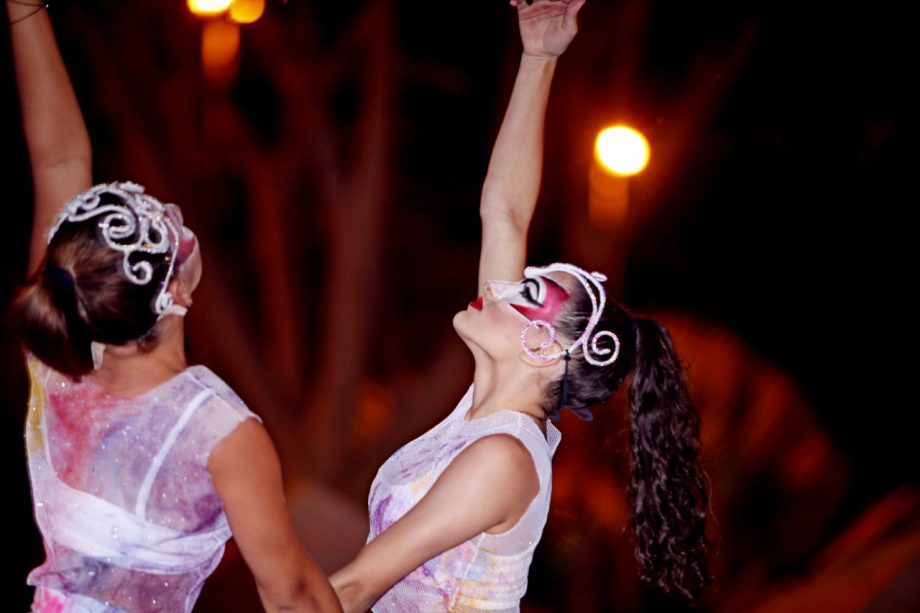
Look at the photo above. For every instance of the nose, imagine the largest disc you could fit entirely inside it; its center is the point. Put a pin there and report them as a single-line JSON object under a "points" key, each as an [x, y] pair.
{"points": [[494, 291], [489, 291]]}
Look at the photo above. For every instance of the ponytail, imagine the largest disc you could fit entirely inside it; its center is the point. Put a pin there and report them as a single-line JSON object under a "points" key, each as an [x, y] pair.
{"points": [[46, 317], [668, 492], [80, 294]]}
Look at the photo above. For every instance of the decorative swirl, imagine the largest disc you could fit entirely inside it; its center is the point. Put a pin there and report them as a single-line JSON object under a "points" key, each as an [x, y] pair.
{"points": [[535, 353], [138, 224], [591, 281], [599, 351]]}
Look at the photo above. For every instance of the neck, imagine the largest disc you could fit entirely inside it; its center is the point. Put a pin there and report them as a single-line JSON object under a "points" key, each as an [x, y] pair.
{"points": [[128, 371], [506, 386]]}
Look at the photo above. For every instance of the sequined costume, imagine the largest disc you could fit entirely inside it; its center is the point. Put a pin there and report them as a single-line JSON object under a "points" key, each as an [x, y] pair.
{"points": [[488, 572], [123, 497]]}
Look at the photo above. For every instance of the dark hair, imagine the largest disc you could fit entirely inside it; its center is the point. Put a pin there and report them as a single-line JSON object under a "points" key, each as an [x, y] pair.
{"points": [[668, 493], [81, 294]]}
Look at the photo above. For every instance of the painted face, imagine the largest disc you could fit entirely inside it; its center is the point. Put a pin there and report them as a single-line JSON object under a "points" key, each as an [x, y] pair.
{"points": [[187, 239], [537, 298]]}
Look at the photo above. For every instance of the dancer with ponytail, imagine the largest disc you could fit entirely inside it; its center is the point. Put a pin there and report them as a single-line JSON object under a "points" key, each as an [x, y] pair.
{"points": [[456, 514], [141, 466]]}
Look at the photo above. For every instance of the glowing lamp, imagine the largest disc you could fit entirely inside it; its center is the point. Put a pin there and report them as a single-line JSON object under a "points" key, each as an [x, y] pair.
{"points": [[220, 45], [246, 11], [621, 151], [206, 8]]}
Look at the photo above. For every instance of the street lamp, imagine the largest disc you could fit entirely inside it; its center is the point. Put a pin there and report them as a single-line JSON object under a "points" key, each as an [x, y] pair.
{"points": [[620, 152], [220, 33]]}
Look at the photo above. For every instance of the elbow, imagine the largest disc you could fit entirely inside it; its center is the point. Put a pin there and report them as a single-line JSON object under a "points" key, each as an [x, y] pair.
{"points": [[505, 214], [56, 163]]}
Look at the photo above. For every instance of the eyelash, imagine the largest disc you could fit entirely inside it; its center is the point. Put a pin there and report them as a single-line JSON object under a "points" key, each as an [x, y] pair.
{"points": [[526, 292]]}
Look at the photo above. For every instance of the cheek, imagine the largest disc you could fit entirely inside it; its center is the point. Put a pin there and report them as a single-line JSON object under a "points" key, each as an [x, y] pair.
{"points": [[190, 270], [188, 244]]}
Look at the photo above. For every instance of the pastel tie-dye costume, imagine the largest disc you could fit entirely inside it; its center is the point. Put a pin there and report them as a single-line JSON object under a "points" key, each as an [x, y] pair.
{"points": [[123, 497], [488, 572]]}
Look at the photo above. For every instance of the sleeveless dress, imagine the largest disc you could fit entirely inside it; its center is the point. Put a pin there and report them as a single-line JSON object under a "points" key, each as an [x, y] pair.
{"points": [[122, 494], [489, 571]]}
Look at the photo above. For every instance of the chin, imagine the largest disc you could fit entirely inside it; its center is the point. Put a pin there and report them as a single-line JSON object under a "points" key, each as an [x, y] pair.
{"points": [[460, 323]]}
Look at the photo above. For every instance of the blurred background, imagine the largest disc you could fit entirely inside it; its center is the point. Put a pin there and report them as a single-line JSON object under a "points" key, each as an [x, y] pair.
{"points": [[329, 156]]}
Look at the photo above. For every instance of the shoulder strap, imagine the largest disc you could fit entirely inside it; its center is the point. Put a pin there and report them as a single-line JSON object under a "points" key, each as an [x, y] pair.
{"points": [[140, 507]]}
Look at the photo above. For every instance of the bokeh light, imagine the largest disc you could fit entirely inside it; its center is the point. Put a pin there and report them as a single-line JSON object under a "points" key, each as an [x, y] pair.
{"points": [[220, 44], [622, 150], [246, 11], [208, 7]]}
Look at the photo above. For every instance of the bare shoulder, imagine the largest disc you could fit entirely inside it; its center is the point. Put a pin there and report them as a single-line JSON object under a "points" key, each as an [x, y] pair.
{"points": [[249, 444], [500, 456]]}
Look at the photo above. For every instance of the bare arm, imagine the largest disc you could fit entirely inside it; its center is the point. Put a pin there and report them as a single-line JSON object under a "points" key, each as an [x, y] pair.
{"points": [[59, 146], [510, 190], [247, 474], [486, 488]]}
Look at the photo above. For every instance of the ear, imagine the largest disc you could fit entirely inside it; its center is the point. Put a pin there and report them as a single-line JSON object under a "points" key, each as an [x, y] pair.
{"points": [[553, 349], [180, 292], [540, 338]]}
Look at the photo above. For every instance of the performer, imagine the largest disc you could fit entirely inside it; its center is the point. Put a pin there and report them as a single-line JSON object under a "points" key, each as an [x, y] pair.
{"points": [[455, 515], [141, 466]]}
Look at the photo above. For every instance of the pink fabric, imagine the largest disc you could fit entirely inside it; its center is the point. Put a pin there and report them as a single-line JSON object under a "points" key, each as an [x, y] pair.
{"points": [[488, 572], [122, 493]]}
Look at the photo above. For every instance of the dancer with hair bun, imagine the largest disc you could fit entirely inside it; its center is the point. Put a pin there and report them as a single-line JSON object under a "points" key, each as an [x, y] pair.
{"points": [[141, 466], [456, 514]]}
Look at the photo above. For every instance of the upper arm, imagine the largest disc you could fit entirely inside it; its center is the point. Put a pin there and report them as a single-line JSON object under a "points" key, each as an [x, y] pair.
{"points": [[488, 486], [246, 472]]}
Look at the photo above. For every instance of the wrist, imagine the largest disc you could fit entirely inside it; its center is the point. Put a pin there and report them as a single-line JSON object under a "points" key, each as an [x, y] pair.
{"points": [[538, 61], [539, 57], [20, 10]]}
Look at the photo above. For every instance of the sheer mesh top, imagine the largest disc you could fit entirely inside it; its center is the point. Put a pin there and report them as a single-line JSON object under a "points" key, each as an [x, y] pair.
{"points": [[123, 497], [488, 572]]}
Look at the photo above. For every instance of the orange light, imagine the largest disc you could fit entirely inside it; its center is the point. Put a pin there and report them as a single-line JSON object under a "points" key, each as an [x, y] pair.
{"points": [[206, 8], [246, 11], [220, 45], [622, 151], [608, 198]]}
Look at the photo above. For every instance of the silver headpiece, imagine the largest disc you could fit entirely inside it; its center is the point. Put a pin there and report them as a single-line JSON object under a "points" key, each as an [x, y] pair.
{"points": [[137, 224], [591, 281]]}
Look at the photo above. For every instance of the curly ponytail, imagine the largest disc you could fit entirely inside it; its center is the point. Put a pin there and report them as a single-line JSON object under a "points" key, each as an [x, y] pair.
{"points": [[668, 491]]}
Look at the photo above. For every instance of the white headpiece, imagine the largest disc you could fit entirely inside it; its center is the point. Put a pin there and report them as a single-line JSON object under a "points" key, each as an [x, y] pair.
{"points": [[138, 223], [589, 338]]}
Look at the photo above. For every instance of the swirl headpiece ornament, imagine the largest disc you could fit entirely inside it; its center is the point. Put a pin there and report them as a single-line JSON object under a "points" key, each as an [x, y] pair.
{"points": [[132, 222], [588, 341]]}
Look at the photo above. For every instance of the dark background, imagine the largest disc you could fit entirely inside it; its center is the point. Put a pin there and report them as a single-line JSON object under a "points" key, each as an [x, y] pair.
{"points": [[784, 216]]}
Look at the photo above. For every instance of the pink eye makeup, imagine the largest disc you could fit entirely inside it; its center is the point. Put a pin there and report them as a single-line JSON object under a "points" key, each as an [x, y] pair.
{"points": [[536, 298], [543, 299]]}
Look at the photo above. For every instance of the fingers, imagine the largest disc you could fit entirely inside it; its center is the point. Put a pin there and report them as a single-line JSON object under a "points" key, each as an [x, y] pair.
{"points": [[571, 14]]}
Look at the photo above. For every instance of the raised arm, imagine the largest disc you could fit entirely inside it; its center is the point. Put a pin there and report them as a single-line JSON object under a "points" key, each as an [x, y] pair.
{"points": [[247, 475], [486, 488], [59, 146], [510, 190]]}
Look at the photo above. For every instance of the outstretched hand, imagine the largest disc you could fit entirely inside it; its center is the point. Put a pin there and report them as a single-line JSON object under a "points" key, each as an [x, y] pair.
{"points": [[547, 26]]}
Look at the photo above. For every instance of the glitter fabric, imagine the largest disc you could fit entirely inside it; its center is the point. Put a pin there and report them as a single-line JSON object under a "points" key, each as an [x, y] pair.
{"points": [[488, 572], [123, 497]]}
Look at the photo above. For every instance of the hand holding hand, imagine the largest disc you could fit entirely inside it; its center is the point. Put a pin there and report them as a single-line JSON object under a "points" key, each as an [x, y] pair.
{"points": [[547, 26]]}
